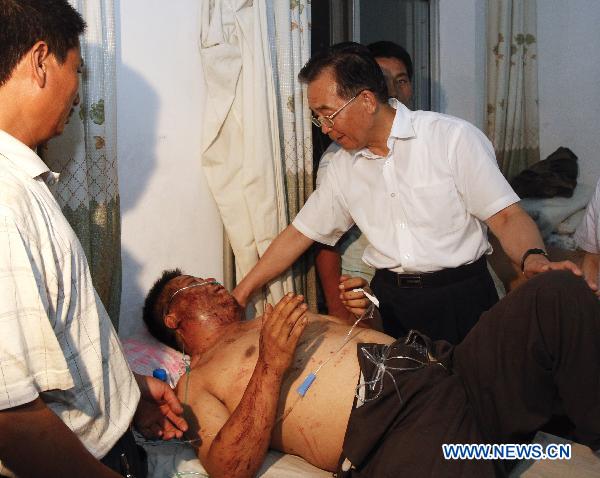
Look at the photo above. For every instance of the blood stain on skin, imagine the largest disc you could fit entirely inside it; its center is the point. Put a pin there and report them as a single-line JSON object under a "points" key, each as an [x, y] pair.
{"points": [[308, 443]]}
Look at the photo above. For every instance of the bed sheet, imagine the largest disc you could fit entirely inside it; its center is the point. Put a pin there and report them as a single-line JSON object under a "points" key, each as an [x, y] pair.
{"points": [[178, 460]]}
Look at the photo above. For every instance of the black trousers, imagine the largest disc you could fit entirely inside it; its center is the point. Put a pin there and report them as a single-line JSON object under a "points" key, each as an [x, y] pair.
{"points": [[534, 354], [444, 312]]}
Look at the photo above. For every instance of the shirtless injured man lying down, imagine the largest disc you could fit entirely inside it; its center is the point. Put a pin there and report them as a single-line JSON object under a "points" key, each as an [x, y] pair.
{"points": [[373, 406]]}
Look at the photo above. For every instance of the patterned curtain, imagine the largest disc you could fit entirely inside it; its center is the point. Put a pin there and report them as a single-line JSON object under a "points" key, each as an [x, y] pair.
{"points": [[241, 156], [85, 155], [289, 33], [512, 84]]}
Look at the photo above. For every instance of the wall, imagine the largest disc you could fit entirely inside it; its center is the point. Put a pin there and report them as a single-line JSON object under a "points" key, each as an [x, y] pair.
{"points": [[169, 218], [569, 81], [462, 26]]}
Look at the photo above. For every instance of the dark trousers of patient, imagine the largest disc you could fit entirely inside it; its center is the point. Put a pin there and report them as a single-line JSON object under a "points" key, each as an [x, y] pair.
{"points": [[534, 354]]}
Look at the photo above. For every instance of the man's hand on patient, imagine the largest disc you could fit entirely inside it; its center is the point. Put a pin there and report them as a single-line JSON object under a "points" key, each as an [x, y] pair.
{"points": [[282, 327], [159, 413], [355, 302], [538, 263]]}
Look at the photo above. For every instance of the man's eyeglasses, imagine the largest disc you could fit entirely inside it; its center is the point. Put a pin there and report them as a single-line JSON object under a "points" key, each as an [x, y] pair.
{"points": [[327, 121], [181, 289]]}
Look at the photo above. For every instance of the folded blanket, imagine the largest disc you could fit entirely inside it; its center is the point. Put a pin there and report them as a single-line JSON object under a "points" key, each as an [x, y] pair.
{"points": [[549, 213]]}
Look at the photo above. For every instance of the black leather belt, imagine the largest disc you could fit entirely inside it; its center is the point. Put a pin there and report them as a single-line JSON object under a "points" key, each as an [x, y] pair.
{"points": [[433, 279]]}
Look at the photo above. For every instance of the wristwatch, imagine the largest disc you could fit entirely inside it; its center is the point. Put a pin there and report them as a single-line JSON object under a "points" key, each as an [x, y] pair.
{"points": [[529, 252]]}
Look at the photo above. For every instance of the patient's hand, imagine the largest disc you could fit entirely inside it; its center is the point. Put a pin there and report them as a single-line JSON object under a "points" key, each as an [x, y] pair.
{"points": [[159, 413], [355, 302], [281, 330]]}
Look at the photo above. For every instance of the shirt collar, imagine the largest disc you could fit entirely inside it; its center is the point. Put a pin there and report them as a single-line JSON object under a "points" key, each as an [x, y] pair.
{"points": [[402, 128], [24, 158]]}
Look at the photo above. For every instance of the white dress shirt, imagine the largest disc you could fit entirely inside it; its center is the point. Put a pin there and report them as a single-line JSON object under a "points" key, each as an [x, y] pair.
{"points": [[57, 340], [422, 206], [587, 235]]}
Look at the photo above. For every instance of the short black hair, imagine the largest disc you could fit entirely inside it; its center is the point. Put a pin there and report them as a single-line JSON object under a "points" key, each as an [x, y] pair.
{"points": [[152, 317], [25, 22], [354, 69], [389, 49]]}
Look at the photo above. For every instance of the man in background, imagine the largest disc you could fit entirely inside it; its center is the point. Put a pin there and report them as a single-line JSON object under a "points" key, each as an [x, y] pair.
{"points": [[67, 395], [345, 258]]}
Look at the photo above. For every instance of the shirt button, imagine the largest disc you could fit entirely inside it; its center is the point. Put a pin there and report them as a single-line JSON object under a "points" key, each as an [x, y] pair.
{"points": [[393, 195], [403, 225], [407, 256]]}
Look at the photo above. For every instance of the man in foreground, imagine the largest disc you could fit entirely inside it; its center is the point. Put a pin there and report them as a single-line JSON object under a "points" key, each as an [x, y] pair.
{"points": [[67, 395], [529, 356]]}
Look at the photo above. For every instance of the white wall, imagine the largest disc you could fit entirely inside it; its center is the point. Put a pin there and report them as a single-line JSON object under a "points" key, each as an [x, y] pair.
{"points": [[462, 26], [169, 218], [569, 81]]}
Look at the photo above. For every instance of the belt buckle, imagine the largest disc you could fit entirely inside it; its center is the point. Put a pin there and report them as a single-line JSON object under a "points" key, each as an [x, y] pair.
{"points": [[410, 280]]}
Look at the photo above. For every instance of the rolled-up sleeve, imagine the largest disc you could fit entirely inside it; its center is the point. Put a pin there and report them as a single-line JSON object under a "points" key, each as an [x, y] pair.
{"points": [[485, 191], [325, 217]]}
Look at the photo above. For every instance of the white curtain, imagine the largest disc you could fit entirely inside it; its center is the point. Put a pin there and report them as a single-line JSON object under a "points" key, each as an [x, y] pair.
{"points": [[289, 32], [241, 151], [85, 155], [512, 84]]}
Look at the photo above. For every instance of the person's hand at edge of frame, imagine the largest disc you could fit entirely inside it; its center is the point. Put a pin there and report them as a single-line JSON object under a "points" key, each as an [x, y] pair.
{"points": [[159, 412]]}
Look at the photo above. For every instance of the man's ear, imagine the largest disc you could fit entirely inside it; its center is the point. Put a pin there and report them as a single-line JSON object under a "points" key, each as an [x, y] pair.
{"points": [[39, 57], [369, 100], [171, 321]]}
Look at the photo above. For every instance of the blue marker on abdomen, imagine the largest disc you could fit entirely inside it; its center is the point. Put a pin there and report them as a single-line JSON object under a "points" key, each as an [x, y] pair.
{"points": [[304, 386]]}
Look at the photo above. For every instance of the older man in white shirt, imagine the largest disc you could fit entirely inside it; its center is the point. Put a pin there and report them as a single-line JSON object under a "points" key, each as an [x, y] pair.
{"points": [[423, 187]]}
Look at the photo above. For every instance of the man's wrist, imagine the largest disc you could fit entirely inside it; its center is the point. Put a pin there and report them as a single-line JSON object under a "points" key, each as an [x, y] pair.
{"points": [[530, 252]]}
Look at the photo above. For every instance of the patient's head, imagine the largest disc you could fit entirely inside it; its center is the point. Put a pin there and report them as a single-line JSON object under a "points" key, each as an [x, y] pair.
{"points": [[179, 306]]}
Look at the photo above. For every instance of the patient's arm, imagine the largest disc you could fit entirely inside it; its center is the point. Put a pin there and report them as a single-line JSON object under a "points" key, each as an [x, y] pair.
{"points": [[234, 445]]}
